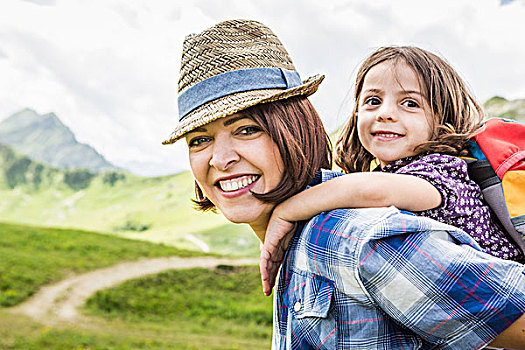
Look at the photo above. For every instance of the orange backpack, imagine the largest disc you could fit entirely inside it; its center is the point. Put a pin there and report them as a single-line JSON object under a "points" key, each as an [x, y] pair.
{"points": [[498, 168]]}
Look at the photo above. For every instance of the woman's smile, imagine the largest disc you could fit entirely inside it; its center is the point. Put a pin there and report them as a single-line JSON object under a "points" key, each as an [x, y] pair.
{"points": [[237, 185]]}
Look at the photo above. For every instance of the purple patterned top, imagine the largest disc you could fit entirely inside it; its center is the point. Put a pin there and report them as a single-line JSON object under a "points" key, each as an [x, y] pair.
{"points": [[461, 204]]}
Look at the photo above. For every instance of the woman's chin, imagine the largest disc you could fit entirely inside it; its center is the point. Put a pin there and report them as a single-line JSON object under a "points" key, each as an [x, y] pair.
{"points": [[241, 218], [236, 220], [253, 215]]}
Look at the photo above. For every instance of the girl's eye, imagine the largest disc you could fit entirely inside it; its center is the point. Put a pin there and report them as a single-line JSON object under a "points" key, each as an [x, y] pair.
{"points": [[373, 101], [249, 130], [410, 104], [198, 141]]}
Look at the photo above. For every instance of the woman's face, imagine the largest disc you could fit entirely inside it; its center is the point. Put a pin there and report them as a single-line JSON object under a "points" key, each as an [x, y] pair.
{"points": [[230, 158]]}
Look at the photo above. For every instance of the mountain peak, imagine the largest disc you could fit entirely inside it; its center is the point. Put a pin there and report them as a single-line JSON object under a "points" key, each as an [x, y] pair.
{"points": [[27, 117], [45, 138]]}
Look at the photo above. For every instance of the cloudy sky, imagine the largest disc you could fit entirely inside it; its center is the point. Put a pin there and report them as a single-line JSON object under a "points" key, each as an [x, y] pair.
{"points": [[109, 68]]}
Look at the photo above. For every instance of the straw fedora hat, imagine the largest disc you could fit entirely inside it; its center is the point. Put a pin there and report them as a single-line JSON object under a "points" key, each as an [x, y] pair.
{"points": [[229, 67]]}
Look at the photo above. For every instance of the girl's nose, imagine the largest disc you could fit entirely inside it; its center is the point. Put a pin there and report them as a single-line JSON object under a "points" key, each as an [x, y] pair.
{"points": [[224, 154], [385, 117], [386, 113]]}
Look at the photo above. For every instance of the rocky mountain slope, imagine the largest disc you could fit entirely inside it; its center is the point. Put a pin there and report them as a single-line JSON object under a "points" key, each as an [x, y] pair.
{"points": [[46, 139]]}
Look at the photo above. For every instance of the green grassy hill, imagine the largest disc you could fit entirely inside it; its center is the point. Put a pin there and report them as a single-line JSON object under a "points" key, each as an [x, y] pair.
{"points": [[501, 107], [222, 303], [155, 209], [213, 309], [33, 256]]}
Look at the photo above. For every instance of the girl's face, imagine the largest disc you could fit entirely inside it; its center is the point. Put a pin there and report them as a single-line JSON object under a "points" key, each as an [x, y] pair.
{"points": [[393, 114], [230, 158]]}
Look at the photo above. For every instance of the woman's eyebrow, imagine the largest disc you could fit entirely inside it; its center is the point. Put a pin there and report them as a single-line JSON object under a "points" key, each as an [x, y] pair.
{"points": [[200, 129], [235, 119]]}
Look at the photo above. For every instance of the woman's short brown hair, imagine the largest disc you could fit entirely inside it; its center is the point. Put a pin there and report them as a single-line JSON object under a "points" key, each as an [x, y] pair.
{"points": [[455, 112], [294, 125]]}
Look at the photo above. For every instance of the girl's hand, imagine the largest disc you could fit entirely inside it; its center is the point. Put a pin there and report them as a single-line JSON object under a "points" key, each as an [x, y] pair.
{"points": [[278, 235]]}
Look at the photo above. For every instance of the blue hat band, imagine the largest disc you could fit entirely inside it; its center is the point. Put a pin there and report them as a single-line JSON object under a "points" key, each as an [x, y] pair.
{"points": [[235, 81]]}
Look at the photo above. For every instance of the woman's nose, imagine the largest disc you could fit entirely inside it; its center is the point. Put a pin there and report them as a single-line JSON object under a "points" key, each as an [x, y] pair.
{"points": [[224, 155]]}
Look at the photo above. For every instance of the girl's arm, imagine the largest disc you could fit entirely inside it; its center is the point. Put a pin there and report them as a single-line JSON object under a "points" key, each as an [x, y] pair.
{"points": [[356, 190], [361, 190]]}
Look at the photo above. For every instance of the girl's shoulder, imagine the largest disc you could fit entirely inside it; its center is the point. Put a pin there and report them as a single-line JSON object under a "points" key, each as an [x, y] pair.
{"points": [[443, 162], [440, 158], [434, 166], [448, 169], [427, 161]]}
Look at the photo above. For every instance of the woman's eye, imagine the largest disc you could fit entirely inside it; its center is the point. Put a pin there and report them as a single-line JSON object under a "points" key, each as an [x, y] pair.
{"points": [[249, 130], [198, 141], [373, 101], [410, 104]]}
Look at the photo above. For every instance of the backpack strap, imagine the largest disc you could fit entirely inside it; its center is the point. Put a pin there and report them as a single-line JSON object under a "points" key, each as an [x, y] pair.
{"points": [[483, 174]]}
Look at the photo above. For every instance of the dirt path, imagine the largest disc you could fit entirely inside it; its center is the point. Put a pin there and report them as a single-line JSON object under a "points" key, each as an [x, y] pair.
{"points": [[58, 303]]}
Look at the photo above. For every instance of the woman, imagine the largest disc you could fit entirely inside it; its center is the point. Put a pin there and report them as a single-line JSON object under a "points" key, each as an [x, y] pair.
{"points": [[351, 279]]}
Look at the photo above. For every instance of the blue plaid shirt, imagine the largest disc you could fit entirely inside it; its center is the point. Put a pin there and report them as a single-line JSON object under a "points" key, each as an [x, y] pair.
{"points": [[383, 279]]}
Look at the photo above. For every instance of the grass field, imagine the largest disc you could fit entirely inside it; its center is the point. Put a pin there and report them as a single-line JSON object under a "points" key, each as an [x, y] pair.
{"points": [[34, 256], [215, 309], [21, 333], [202, 297], [153, 209], [223, 303]]}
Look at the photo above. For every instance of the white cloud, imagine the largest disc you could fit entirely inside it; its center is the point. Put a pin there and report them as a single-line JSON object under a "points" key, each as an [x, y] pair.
{"points": [[109, 68], [43, 2]]}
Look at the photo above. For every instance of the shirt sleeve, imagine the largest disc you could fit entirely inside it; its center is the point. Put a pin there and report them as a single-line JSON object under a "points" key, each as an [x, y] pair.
{"points": [[450, 294], [448, 175]]}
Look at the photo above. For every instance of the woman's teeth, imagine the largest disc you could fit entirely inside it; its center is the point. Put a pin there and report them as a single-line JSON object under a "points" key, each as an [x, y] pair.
{"points": [[237, 184]]}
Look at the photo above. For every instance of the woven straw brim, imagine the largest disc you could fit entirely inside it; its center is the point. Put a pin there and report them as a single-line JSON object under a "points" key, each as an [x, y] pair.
{"points": [[234, 103]]}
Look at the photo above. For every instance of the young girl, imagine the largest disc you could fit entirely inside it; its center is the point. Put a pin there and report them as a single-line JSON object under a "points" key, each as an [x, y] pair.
{"points": [[412, 115]]}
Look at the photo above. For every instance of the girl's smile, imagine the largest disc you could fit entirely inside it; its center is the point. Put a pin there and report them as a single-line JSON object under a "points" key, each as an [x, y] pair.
{"points": [[386, 135], [392, 112]]}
